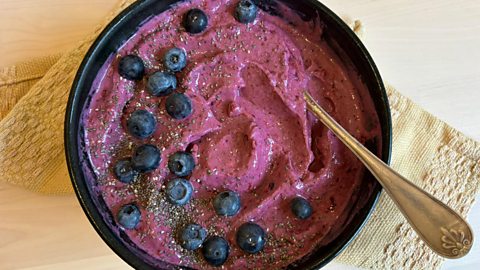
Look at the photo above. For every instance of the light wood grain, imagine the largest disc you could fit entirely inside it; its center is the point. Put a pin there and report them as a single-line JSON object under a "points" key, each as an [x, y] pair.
{"points": [[30, 28], [430, 50]]}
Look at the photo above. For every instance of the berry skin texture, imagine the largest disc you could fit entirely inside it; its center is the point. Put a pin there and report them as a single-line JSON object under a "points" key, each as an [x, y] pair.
{"points": [[251, 238], [161, 84], [246, 11], [178, 106], [179, 191], [129, 216], [195, 21], [124, 171], [181, 164], [175, 60], [131, 67], [215, 250], [146, 158], [301, 208], [227, 203], [192, 236], [141, 124]]}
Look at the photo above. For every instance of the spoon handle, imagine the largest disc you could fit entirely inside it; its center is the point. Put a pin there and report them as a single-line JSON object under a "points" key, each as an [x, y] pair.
{"points": [[440, 227]]}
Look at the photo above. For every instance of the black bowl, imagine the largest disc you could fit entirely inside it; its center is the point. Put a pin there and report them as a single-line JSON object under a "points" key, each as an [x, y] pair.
{"points": [[337, 34]]}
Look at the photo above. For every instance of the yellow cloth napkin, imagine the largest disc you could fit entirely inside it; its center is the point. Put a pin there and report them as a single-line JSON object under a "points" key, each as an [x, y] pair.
{"points": [[33, 96]]}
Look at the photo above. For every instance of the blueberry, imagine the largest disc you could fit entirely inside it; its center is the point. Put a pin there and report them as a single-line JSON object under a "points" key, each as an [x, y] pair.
{"points": [[129, 216], [146, 158], [301, 208], [181, 163], [131, 67], [215, 250], [124, 171], [227, 203], [246, 11], [175, 59], [141, 124], [161, 84], [195, 21], [251, 238], [178, 106], [179, 191], [192, 236]]}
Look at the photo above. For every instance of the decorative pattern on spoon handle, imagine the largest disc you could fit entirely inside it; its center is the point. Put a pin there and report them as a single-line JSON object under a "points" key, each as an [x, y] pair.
{"points": [[455, 241]]}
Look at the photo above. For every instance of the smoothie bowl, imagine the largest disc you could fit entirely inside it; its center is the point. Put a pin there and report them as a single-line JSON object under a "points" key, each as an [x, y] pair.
{"points": [[189, 144]]}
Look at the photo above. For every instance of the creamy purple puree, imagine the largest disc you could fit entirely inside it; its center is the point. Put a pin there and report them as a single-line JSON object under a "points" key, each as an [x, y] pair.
{"points": [[249, 132]]}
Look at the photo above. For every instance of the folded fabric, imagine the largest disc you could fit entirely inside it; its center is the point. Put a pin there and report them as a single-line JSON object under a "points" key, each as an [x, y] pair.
{"points": [[33, 97]]}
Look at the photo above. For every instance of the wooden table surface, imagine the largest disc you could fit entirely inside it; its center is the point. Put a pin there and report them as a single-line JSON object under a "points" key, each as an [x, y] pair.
{"points": [[429, 49]]}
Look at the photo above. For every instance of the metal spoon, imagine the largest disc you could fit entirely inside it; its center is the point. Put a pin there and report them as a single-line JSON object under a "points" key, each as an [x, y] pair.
{"points": [[440, 227]]}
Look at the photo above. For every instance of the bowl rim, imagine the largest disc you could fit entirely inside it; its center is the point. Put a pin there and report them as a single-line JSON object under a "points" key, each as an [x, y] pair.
{"points": [[72, 141]]}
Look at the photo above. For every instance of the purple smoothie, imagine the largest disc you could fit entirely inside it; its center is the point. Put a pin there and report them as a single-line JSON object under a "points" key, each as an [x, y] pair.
{"points": [[249, 132]]}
